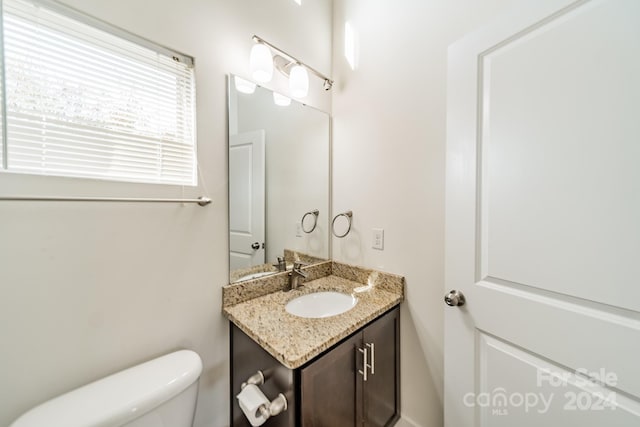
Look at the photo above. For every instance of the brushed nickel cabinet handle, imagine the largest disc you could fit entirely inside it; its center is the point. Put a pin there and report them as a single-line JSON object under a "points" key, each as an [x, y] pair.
{"points": [[373, 357], [363, 372]]}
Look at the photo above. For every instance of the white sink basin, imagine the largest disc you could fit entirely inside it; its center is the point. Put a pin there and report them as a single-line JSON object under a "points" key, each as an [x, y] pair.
{"points": [[321, 304]]}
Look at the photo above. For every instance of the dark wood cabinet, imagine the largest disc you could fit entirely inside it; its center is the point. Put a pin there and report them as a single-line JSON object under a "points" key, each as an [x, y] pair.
{"points": [[329, 391], [335, 390], [247, 357], [328, 387], [381, 391]]}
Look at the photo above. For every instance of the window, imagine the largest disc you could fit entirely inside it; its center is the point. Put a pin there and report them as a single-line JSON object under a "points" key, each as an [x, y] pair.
{"points": [[83, 99]]}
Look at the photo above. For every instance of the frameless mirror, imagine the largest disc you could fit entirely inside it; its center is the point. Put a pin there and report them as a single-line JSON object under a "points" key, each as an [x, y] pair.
{"points": [[279, 154]]}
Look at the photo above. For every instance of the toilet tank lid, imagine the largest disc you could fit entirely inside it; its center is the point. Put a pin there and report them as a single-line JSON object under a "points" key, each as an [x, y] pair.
{"points": [[118, 398]]}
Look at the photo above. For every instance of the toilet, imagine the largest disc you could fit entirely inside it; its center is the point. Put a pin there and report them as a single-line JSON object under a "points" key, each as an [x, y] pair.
{"points": [[159, 393]]}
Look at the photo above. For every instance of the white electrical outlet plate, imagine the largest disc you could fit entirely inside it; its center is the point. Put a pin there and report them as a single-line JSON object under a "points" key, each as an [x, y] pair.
{"points": [[298, 229], [378, 238]]}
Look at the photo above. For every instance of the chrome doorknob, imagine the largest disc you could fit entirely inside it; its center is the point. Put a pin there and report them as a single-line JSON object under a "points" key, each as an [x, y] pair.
{"points": [[454, 298], [255, 245]]}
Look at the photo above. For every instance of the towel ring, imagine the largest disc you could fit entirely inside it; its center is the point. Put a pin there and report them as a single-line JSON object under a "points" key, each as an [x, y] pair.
{"points": [[349, 216], [315, 214]]}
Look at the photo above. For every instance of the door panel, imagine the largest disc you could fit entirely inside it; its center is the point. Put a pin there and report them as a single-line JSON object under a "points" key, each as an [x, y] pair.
{"points": [[543, 196], [524, 391], [246, 199], [560, 153]]}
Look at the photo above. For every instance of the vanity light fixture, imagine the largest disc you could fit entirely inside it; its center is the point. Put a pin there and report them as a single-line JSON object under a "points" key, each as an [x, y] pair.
{"points": [[265, 56], [244, 86], [298, 81], [281, 100], [261, 63]]}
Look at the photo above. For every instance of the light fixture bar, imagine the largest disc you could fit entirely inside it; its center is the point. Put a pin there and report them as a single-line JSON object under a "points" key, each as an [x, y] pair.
{"points": [[327, 81]]}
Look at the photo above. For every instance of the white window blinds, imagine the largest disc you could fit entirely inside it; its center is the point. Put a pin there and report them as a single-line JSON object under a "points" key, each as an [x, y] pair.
{"points": [[80, 100]]}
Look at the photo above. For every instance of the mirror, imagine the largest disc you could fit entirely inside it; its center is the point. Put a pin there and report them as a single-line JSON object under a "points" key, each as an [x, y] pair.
{"points": [[279, 160]]}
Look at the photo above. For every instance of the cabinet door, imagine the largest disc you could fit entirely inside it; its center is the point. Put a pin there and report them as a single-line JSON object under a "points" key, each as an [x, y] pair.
{"points": [[328, 388], [381, 391]]}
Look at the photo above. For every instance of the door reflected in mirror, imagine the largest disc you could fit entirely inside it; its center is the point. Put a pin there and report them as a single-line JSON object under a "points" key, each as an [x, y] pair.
{"points": [[279, 158]]}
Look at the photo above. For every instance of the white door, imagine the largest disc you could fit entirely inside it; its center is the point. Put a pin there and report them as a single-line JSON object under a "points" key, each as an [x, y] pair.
{"points": [[246, 199], [543, 218]]}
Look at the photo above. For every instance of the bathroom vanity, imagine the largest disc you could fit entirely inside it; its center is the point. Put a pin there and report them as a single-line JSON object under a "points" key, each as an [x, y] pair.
{"points": [[337, 371]]}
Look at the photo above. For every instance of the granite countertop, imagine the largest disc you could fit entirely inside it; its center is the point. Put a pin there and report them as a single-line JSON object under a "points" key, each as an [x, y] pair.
{"points": [[257, 307]]}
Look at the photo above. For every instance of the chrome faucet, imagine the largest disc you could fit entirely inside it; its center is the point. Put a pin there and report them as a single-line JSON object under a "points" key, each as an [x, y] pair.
{"points": [[281, 265], [296, 274]]}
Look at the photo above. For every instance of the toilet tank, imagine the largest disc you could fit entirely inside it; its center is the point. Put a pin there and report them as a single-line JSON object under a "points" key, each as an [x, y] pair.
{"points": [[159, 393]]}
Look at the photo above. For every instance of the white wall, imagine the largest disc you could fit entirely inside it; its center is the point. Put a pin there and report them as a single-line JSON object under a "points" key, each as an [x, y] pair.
{"points": [[89, 289], [389, 148]]}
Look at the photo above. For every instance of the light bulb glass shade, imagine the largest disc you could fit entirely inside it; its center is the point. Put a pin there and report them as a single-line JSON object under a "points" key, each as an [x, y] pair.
{"points": [[261, 63], [244, 86], [281, 100], [299, 81]]}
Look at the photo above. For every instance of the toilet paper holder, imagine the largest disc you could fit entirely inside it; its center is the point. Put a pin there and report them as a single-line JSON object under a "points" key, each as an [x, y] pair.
{"points": [[276, 406]]}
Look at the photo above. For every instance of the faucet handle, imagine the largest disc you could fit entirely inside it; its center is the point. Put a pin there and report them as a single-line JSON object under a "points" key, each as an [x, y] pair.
{"points": [[296, 268], [281, 265], [295, 274]]}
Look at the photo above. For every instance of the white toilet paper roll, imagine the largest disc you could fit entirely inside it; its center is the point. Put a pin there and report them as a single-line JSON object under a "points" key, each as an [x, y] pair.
{"points": [[250, 399]]}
